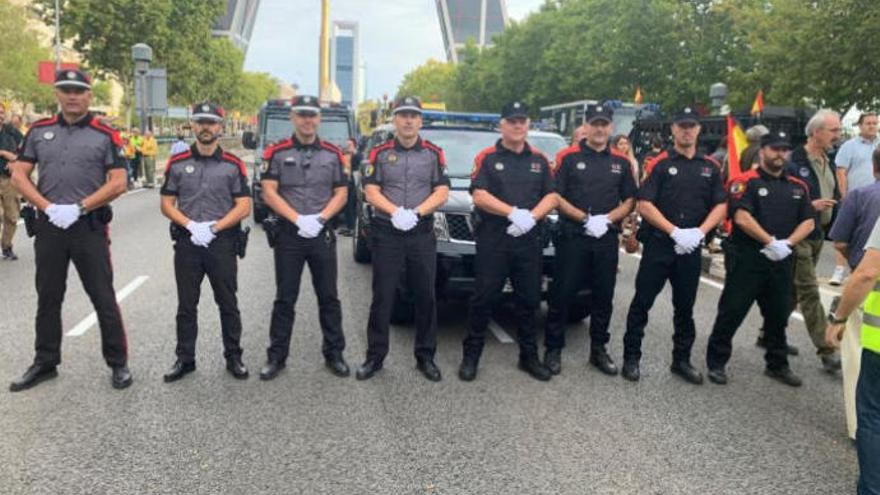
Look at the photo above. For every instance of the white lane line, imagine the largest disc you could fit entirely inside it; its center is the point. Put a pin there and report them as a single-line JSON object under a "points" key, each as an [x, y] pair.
{"points": [[90, 320], [499, 332], [711, 283]]}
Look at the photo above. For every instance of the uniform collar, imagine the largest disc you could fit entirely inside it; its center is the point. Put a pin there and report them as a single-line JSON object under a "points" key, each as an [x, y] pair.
{"points": [[586, 149], [674, 154], [766, 176], [83, 122], [298, 145], [527, 149], [218, 153], [416, 147]]}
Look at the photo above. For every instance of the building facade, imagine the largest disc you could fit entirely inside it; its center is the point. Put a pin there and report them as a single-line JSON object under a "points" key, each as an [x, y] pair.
{"points": [[463, 20]]}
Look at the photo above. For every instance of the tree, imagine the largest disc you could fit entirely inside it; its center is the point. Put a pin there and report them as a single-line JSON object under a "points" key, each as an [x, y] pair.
{"points": [[253, 89], [20, 52], [433, 81]]}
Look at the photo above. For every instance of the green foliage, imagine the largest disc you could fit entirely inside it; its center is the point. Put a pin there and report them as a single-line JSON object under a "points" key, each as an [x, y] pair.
{"points": [[796, 51], [252, 90], [434, 81], [20, 53]]}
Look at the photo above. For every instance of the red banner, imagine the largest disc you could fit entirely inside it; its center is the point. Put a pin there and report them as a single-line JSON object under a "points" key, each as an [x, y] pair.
{"points": [[46, 71]]}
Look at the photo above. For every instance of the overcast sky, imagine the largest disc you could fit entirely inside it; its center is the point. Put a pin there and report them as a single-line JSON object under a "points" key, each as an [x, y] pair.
{"points": [[396, 36]]}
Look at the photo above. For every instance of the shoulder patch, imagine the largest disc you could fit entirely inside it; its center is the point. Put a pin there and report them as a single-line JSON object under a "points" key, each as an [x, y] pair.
{"points": [[230, 158], [106, 129], [177, 158], [378, 149], [333, 148], [45, 122], [479, 159], [564, 152], [651, 163], [441, 156], [276, 147]]}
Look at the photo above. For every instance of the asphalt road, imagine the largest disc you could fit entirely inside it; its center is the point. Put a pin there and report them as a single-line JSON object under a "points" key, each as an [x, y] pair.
{"points": [[309, 432]]}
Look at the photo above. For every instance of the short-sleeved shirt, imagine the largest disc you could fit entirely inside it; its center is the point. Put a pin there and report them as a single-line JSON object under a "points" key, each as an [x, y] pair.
{"points": [[874, 239], [594, 182], [407, 176], [518, 179], [855, 156], [684, 189], [74, 158], [205, 186], [855, 219], [778, 204], [10, 140], [306, 173]]}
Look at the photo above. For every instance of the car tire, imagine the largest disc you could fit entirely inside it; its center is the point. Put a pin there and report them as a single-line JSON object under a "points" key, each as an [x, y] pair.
{"points": [[360, 247]]}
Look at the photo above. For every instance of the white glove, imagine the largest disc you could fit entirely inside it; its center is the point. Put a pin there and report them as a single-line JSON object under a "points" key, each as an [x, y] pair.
{"points": [[596, 225], [200, 233], [776, 250], [523, 220], [514, 231], [404, 219], [309, 226], [687, 240], [62, 216]]}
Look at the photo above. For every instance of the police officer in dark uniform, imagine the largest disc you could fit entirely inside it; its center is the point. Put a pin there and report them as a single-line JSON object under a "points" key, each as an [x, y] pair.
{"points": [[771, 213], [405, 182], [305, 185], [513, 189], [206, 196], [681, 201], [596, 191], [80, 172]]}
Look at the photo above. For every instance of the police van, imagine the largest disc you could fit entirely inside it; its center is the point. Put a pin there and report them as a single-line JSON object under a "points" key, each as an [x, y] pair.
{"points": [[462, 136], [273, 124]]}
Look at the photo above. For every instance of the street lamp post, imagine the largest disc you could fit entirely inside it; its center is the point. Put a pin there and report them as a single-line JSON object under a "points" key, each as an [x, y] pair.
{"points": [[142, 55], [57, 35]]}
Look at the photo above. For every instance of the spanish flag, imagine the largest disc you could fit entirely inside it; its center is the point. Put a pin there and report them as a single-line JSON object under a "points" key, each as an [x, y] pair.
{"points": [[758, 105], [638, 97], [736, 143]]}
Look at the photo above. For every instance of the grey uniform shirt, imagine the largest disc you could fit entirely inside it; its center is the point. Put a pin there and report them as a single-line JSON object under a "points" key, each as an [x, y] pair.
{"points": [[205, 186], [306, 174], [407, 176], [74, 158]]}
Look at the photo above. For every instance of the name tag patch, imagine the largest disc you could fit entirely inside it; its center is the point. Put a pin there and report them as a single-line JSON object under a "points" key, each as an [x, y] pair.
{"points": [[536, 168]]}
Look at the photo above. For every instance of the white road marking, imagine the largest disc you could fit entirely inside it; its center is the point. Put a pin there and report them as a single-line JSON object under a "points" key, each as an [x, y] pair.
{"points": [[711, 283], [90, 320], [499, 333]]}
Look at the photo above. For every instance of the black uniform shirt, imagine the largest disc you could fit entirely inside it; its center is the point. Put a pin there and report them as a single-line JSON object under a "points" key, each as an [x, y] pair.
{"points": [[519, 179], [594, 182], [73, 158], [684, 189], [10, 140], [407, 176], [205, 186], [306, 173], [779, 204]]}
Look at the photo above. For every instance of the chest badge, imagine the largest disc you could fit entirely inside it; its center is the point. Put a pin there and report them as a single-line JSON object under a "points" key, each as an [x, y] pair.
{"points": [[616, 168], [581, 166], [48, 135], [189, 169], [536, 168], [499, 166], [706, 172], [737, 188], [370, 170], [804, 172], [392, 158], [673, 171], [763, 192], [264, 167]]}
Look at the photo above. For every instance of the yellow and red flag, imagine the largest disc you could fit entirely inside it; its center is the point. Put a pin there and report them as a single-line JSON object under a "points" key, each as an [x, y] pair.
{"points": [[736, 143], [758, 105]]}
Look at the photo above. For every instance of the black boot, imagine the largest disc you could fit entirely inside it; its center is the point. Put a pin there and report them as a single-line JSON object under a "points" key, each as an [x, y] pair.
{"points": [[34, 375], [631, 371], [121, 377], [236, 368], [429, 369], [784, 375], [553, 360], [368, 369], [270, 370], [602, 361], [179, 370], [337, 365], [533, 366], [468, 369], [686, 371]]}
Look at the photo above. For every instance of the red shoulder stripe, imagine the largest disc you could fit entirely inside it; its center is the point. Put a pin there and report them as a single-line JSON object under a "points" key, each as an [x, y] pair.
{"points": [[276, 147], [479, 159], [441, 156], [335, 149], [115, 138], [650, 164], [378, 149], [176, 158], [713, 161], [45, 122], [564, 152], [620, 155], [795, 180], [229, 157]]}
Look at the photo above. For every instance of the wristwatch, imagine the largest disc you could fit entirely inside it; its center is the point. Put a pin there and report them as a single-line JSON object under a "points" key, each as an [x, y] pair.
{"points": [[836, 321], [82, 208]]}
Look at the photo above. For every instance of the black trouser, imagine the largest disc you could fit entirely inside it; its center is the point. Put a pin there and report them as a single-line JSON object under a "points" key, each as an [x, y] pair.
{"points": [[659, 264], [416, 253], [495, 261], [292, 253], [218, 262], [583, 261], [752, 277], [87, 244]]}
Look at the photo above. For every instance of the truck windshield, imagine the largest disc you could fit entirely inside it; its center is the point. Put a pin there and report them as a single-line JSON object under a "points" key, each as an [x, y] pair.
{"points": [[279, 127]]}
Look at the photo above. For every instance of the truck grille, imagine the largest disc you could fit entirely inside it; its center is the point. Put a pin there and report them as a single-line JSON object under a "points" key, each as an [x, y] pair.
{"points": [[459, 227]]}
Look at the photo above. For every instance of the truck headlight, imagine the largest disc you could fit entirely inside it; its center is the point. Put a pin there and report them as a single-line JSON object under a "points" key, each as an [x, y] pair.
{"points": [[441, 229]]}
